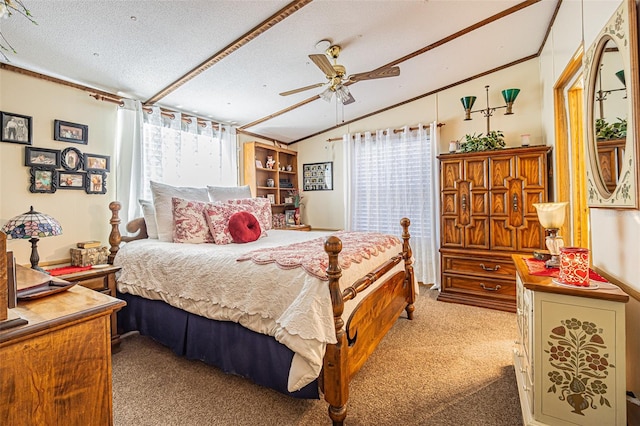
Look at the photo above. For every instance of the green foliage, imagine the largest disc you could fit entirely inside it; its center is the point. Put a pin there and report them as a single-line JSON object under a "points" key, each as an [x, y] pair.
{"points": [[493, 140], [607, 131]]}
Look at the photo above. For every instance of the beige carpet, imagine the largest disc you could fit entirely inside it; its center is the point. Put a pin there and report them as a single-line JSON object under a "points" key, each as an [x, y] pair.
{"points": [[451, 365]]}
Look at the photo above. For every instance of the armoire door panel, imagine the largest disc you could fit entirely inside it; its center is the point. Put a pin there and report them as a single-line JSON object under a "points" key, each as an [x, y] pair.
{"points": [[475, 172], [477, 233], [530, 235], [450, 173], [532, 196], [464, 191], [452, 233], [479, 205], [516, 202], [501, 168], [499, 203], [449, 203], [531, 169], [503, 236]]}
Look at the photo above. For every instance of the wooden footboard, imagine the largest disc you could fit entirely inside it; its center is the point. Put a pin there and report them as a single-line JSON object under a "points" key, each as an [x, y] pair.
{"points": [[370, 320]]}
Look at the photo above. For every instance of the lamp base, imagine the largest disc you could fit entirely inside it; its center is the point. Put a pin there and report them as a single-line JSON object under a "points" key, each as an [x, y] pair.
{"points": [[554, 262]]}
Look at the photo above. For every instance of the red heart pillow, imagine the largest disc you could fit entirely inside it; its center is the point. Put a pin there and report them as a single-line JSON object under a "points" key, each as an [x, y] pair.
{"points": [[244, 227]]}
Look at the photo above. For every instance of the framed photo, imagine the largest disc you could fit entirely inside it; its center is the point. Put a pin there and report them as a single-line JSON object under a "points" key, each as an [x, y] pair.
{"points": [[96, 162], [16, 128], [272, 198], [71, 180], [259, 164], [318, 176], [71, 159], [289, 217], [70, 132], [43, 180], [95, 182], [45, 158], [288, 200]]}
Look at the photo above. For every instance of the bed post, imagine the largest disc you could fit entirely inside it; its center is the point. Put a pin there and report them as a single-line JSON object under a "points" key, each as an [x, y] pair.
{"points": [[114, 237], [335, 372], [408, 267]]}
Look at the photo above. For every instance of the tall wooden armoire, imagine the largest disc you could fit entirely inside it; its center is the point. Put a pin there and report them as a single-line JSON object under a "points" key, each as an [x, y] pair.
{"points": [[487, 215]]}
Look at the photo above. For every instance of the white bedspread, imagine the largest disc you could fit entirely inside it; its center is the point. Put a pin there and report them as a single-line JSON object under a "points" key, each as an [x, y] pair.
{"points": [[207, 280]]}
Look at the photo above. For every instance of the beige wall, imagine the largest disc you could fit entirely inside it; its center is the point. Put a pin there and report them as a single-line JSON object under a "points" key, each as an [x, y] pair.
{"points": [[325, 209], [82, 216], [614, 233]]}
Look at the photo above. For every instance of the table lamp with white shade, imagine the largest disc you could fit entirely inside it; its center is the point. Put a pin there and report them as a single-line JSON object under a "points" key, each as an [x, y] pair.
{"points": [[551, 216]]}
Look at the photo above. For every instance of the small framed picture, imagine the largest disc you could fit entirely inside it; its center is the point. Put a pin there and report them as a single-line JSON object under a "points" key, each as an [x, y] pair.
{"points": [[272, 198], [16, 128], [95, 182], [41, 157], [259, 164], [71, 180], [70, 132], [289, 217], [71, 159], [318, 176], [288, 200], [43, 180], [96, 162]]}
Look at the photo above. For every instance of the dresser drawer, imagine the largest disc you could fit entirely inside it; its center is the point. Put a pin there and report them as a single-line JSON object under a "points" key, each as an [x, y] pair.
{"points": [[488, 287], [479, 266]]}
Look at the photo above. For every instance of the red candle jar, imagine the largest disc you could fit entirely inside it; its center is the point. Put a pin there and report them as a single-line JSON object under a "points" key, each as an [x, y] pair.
{"points": [[574, 266]]}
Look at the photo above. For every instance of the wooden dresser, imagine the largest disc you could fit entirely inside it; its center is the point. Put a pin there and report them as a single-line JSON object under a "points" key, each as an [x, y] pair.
{"points": [[487, 214], [56, 370], [569, 358]]}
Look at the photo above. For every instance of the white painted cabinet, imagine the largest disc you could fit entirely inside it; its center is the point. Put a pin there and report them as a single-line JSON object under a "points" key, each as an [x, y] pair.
{"points": [[569, 357]]}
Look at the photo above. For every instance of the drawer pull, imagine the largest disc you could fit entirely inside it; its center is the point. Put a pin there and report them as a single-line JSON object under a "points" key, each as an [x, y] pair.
{"points": [[464, 203], [496, 288], [515, 202], [495, 268]]}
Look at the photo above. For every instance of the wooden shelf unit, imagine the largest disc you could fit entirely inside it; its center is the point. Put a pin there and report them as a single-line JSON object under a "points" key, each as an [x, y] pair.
{"points": [[256, 177]]}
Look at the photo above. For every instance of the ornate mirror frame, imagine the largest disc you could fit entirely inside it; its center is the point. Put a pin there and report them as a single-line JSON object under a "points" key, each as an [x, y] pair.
{"points": [[622, 28]]}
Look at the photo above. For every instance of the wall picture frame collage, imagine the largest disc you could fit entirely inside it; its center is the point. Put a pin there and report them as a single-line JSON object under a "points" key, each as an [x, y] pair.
{"points": [[53, 169], [318, 176]]}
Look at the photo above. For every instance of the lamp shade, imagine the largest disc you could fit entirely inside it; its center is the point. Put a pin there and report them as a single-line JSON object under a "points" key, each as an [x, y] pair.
{"points": [[620, 75], [468, 101], [510, 95], [551, 215], [32, 224]]}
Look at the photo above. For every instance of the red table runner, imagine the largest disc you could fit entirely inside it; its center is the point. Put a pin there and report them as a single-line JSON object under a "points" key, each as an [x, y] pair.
{"points": [[537, 267], [67, 270]]}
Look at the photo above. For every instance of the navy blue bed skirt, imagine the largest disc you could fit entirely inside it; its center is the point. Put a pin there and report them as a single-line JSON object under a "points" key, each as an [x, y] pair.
{"points": [[224, 344]]}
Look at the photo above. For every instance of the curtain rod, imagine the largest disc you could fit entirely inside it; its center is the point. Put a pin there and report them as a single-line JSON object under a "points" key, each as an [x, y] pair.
{"points": [[385, 132], [185, 117]]}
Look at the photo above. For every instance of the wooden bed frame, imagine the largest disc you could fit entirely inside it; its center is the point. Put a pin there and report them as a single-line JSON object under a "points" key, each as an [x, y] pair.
{"points": [[372, 318]]}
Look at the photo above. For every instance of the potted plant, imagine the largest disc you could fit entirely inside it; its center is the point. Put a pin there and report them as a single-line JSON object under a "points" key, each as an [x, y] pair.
{"points": [[607, 131], [493, 140]]}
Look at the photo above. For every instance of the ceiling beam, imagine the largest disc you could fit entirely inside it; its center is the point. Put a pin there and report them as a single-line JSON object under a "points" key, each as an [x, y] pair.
{"points": [[259, 29], [425, 49]]}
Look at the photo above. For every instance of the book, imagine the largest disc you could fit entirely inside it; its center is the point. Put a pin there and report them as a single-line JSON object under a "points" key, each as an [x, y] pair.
{"points": [[88, 244]]}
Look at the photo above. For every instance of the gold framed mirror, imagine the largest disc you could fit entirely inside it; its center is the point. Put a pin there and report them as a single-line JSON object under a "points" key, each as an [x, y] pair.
{"points": [[611, 76]]}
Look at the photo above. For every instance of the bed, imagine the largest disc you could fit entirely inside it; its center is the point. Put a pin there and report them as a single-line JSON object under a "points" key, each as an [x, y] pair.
{"points": [[353, 297]]}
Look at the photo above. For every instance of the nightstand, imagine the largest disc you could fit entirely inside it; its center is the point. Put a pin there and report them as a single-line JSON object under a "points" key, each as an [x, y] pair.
{"points": [[102, 280], [298, 228]]}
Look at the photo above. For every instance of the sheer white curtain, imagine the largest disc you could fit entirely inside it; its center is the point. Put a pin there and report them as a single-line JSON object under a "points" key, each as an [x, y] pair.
{"points": [[389, 176], [186, 153]]}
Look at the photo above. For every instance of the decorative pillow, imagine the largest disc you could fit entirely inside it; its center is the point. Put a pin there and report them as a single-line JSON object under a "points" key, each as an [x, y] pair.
{"points": [[189, 224], [218, 215], [260, 207], [224, 193], [149, 214], [162, 195], [244, 227]]}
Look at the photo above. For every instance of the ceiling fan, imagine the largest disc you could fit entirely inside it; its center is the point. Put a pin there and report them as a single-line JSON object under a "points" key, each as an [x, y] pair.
{"points": [[337, 76]]}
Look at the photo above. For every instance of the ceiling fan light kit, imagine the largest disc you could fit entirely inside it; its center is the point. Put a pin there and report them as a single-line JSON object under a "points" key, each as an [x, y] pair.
{"points": [[336, 75]]}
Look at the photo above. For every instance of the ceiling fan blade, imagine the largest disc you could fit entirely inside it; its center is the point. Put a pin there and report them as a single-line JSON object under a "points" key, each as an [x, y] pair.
{"points": [[349, 100], [301, 89], [379, 73], [323, 63]]}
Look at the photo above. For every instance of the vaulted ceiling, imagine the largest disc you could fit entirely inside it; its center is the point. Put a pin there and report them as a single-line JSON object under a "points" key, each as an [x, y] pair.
{"points": [[230, 60]]}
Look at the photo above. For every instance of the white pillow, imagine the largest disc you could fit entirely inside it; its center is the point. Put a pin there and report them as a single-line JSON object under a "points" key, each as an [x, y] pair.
{"points": [[225, 193], [149, 214], [162, 195]]}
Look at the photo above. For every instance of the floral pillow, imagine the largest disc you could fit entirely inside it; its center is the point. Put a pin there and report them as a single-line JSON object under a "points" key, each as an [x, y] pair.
{"points": [[260, 207], [189, 222], [218, 215]]}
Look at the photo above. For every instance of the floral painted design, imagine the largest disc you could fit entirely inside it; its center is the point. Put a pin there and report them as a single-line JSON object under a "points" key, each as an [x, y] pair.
{"points": [[189, 223], [310, 255], [576, 352], [260, 207], [218, 215]]}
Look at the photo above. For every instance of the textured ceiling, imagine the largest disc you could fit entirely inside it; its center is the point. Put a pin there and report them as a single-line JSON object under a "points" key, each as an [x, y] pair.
{"points": [[136, 49]]}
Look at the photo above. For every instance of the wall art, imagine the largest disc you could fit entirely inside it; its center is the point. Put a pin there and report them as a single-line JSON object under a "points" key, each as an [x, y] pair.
{"points": [[318, 176], [46, 158], [70, 132], [16, 128]]}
